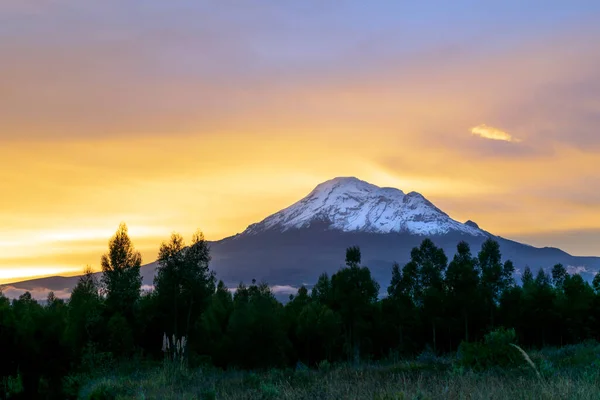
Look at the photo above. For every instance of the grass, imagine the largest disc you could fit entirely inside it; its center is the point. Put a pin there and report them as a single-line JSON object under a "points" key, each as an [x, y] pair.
{"points": [[572, 372]]}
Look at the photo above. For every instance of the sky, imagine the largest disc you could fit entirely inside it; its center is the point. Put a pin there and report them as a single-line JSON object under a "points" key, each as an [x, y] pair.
{"points": [[183, 115]]}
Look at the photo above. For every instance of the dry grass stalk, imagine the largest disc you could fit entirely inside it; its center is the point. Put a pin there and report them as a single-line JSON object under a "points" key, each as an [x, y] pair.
{"points": [[527, 359]]}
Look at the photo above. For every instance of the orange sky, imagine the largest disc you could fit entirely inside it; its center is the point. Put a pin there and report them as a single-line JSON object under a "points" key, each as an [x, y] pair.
{"points": [[171, 125]]}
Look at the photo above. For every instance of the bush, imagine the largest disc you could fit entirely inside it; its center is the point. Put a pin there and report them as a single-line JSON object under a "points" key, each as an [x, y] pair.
{"points": [[208, 394], [269, 391], [324, 366], [103, 391], [495, 351]]}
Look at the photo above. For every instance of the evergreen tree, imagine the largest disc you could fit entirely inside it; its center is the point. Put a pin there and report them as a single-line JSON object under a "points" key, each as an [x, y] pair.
{"points": [[424, 280], [321, 292], [317, 329], [353, 294], [495, 277], [399, 308], [121, 279], [559, 276], [84, 313], [213, 324], [255, 334], [462, 281], [579, 300], [183, 282]]}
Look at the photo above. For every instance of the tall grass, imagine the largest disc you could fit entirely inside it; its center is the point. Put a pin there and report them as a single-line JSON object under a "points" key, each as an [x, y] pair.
{"points": [[425, 378]]}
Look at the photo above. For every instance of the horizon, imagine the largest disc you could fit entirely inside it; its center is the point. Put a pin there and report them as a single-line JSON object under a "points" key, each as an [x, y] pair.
{"points": [[197, 115], [10, 281]]}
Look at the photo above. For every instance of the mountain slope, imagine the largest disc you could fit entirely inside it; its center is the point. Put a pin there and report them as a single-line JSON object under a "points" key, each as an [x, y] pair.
{"points": [[352, 205]]}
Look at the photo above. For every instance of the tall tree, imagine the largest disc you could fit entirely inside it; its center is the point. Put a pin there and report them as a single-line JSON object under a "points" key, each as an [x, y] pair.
{"points": [[213, 324], [121, 279], [255, 335], [183, 282], [462, 282], [539, 299], [84, 320], [321, 292], [399, 306], [495, 277], [354, 292], [424, 276], [559, 276], [579, 300]]}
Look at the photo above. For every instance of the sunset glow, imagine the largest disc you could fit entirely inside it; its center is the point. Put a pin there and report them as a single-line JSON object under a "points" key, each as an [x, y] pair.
{"points": [[173, 118]]}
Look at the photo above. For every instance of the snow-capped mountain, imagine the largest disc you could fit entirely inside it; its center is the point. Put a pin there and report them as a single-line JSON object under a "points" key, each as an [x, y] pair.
{"points": [[352, 205], [295, 245]]}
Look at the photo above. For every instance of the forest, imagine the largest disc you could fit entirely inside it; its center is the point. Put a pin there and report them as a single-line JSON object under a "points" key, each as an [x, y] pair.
{"points": [[433, 306]]}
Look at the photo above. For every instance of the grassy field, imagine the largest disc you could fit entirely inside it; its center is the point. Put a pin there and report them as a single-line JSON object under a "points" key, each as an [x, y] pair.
{"points": [[571, 372]]}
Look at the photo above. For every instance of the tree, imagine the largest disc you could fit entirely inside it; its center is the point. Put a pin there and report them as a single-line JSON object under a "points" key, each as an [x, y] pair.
{"points": [[84, 319], [121, 279], [539, 307], [317, 329], [183, 282], [8, 338], [255, 334], [424, 280], [559, 275], [213, 324], [495, 277], [29, 331], [321, 292], [462, 281], [353, 256], [399, 306], [527, 278], [353, 294], [579, 300]]}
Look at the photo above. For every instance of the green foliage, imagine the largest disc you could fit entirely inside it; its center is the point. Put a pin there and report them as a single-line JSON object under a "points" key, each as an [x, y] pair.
{"points": [[255, 334], [495, 351], [121, 278], [11, 386], [269, 391], [354, 293], [462, 283], [80, 347], [84, 313], [208, 394], [183, 283]]}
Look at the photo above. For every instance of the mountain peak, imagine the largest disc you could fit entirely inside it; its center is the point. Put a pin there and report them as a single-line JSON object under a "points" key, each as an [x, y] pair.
{"points": [[352, 205], [343, 184]]}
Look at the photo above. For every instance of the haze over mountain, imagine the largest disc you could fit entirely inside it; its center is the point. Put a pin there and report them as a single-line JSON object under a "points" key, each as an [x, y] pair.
{"points": [[295, 245]]}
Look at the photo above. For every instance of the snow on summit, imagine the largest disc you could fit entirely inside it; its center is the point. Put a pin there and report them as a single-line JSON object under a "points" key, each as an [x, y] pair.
{"points": [[352, 205]]}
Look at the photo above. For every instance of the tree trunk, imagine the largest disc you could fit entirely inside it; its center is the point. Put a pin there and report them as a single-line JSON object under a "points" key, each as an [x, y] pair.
{"points": [[434, 338], [466, 326], [356, 351], [189, 316], [175, 315], [401, 338]]}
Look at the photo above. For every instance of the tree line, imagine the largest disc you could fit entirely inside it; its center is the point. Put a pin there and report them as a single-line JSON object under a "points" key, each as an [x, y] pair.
{"points": [[432, 304]]}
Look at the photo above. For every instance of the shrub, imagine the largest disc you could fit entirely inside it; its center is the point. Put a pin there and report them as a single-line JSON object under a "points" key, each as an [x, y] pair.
{"points": [[324, 366], [269, 391], [103, 391], [208, 394], [495, 351]]}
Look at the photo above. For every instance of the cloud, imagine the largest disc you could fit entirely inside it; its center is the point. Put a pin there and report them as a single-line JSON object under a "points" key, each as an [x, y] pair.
{"points": [[276, 289], [284, 289], [38, 293], [147, 288], [489, 132]]}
